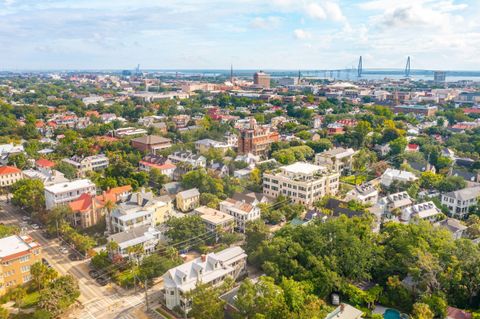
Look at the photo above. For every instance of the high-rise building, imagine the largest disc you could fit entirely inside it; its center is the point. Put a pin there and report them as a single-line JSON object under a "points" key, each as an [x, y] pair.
{"points": [[439, 76], [256, 139], [262, 79]]}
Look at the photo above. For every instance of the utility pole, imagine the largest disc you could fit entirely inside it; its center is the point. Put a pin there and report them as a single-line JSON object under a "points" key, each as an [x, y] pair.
{"points": [[146, 295]]}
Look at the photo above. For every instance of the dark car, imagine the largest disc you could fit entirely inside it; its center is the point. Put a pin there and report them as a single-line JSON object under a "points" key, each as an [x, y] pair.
{"points": [[45, 262], [93, 273], [102, 281], [75, 256]]}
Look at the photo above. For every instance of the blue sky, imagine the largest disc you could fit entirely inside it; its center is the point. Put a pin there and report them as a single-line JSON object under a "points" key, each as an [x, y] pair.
{"points": [[251, 34]]}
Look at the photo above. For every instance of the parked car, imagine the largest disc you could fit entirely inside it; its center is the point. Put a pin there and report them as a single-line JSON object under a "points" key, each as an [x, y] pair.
{"points": [[25, 218], [64, 250], [46, 263], [93, 273], [102, 281], [35, 226]]}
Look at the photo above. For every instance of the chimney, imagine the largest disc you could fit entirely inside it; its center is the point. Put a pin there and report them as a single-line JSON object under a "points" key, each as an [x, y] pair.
{"points": [[204, 258]]}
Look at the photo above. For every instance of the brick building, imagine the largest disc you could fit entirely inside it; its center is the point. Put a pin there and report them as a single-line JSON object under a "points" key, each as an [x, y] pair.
{"points": [[256, 139]]}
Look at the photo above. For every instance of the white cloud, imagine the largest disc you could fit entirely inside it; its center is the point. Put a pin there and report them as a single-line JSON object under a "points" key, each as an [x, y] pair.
{"points": [[301, 34], [271, 22], [333, 11], [315, 11]]}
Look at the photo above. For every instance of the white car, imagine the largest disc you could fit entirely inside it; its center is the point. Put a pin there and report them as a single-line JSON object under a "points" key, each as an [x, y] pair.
{"points": [[35, 226], [64, 250], [25, 218]]}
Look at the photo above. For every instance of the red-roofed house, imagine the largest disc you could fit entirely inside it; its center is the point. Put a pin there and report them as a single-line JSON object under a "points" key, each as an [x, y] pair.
{"points": [[455, 313], [9, 175], [412, 148], [44, 163], [88, 209], [471, 111]]}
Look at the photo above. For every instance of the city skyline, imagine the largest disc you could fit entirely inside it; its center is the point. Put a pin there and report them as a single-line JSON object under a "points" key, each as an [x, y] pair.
{"points": [[251, 34]]}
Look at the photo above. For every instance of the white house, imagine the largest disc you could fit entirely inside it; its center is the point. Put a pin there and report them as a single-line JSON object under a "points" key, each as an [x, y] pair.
{"points": [[365, 193], [459, 202], [240, 210], [146, 236], [391, 175], [64, 193], [212, 268], [424, 211]]}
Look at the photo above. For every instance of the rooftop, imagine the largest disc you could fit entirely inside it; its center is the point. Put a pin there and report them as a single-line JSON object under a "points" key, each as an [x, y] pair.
{"points": [[302, 168], [4, 170], [69, 186], [16, 244]]}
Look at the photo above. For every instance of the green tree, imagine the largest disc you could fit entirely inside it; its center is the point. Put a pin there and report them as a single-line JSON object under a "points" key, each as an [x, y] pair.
{"points": [[437, 304], [59, 295], [17, 294], [421, 311], [206, 303], [18, 160], [42, 275], [68, 170], [29, 194], [398, 146], [8, 230], [182, 229]]}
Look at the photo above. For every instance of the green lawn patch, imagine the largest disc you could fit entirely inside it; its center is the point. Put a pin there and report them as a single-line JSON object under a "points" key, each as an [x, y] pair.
{"points": [[351, 179], [31, 300]]}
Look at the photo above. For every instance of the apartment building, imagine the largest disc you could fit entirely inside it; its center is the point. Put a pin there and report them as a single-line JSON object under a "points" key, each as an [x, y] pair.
{"points": [[256, 139], [64, 193], [261, 80], [303, 183], [459, 202], [151, 143], [212, 269], [17, 255], [215, 220], [87, 164], [241, 211], [426, 110], [338, 159], [9, 175]]}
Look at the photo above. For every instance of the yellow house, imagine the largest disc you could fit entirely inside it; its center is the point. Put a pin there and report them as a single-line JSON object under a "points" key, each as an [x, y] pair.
{"points": [[188, 200]]}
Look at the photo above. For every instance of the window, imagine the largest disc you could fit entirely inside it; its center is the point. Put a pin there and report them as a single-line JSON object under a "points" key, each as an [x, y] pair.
{"points": [[25, 268], [25, 258]]}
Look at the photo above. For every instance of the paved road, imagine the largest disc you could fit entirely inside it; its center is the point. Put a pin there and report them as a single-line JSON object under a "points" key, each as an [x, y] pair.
{"points": [[97, 302]]}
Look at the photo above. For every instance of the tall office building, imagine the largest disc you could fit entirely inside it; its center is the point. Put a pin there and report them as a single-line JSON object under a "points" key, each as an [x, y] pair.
{"points": [[439, 77], [262, 79]]}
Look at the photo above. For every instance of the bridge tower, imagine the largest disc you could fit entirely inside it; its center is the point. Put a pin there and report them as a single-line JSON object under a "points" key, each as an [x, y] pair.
{"points": [[407, 68], [360, 67]]}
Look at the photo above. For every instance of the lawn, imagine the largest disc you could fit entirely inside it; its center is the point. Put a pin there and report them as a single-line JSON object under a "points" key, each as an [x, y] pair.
{"points": [[351, 179], [30, 300]]}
